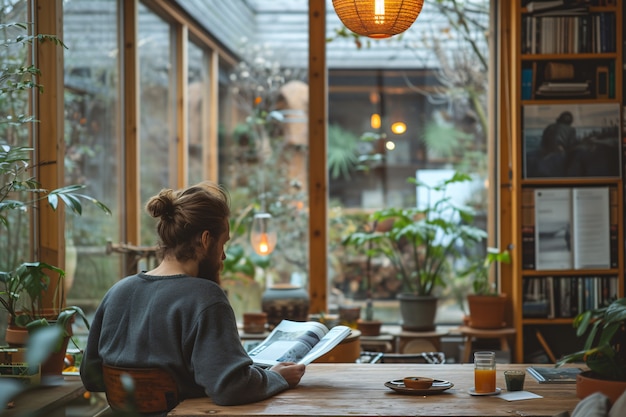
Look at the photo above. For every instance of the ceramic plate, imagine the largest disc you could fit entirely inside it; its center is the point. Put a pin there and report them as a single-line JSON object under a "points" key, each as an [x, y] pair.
{"points": [[473, 392], [438, 386]]}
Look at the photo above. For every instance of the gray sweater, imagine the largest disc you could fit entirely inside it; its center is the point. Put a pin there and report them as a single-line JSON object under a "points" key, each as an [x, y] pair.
{"points": [[184, 325]]}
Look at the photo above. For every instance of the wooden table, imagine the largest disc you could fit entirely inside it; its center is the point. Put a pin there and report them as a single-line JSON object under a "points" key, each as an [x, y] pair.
{"points": [[47, 401], [358, 390]]}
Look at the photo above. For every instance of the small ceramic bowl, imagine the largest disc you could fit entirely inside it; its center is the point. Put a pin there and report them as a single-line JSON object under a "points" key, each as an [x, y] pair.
{"points": [[417, 382]]}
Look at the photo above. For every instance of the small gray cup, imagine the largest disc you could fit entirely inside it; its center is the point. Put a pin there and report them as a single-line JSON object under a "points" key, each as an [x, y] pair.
{"points": [[514, 380]]}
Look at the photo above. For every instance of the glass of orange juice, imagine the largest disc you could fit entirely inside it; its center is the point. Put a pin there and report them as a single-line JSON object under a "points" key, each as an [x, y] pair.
{"points": [[484, 372]]}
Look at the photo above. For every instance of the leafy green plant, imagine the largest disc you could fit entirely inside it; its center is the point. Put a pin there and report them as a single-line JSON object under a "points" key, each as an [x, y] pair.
{"points": [[24, 286], [478, 271], [420, 242], [604, 351], [23, 289], [15, 171]]}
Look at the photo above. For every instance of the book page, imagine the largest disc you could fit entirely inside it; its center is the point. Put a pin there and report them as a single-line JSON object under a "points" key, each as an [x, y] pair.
{"points": [[592, 234], [553, 247], [291, 341], [332, 339]]}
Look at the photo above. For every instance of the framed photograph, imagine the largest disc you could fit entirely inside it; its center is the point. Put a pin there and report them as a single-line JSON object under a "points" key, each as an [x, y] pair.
{"points": [[571, 140]]}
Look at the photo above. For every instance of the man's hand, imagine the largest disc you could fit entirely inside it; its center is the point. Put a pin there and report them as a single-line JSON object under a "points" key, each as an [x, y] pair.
{"points": [[292, 372]]}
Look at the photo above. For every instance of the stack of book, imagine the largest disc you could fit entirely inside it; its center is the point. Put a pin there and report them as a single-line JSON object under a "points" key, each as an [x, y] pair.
{"points": [[562, 89]]}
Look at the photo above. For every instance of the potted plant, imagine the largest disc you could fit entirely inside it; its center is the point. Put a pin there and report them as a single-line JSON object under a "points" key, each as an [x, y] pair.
{"points": [[23, 289], [486, 306], [604, 351], [24, 286], [421, 242]]}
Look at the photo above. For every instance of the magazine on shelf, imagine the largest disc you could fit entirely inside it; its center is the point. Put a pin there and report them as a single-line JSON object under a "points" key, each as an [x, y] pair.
{"points": [[572, 228], [554, 375], [571, 140], [299, 342]]}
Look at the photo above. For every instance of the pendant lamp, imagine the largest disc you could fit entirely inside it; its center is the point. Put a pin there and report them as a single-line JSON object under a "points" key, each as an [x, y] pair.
{"points": [[378, 18], [262, 235]]}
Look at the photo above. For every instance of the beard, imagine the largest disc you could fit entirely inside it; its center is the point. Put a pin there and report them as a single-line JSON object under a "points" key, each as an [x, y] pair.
{"points": [[210, 267]]}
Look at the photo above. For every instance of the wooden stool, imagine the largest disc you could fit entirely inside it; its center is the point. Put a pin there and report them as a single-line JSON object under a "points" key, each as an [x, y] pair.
{"points": [[381, 343], [348, 350], [415, 342], [470, 333]]}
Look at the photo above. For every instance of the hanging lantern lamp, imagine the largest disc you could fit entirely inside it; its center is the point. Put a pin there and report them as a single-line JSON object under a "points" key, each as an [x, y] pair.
{"points": [[263, 236], [378, 18]]}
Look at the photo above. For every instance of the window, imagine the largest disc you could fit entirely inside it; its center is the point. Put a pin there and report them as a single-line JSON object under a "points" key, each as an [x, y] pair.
{"points": [[247, 127], [409, 107], [93, 145], [198, 93], [157, 129]]}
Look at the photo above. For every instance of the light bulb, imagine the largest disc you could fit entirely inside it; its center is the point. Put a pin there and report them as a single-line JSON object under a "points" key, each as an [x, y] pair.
{"points": [[375, 121], [379, 12], [263, 245], [398, 128], [262, 236]]}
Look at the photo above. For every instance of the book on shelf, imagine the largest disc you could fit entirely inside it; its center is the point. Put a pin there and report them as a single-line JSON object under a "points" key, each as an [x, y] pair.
{"points": [[542, 6], [565, 296], [569, 31], [528, 228], [553, 375], [299, 342], [591, 228], [533, 6], [572, 228], [563, 89], [527, 84]]}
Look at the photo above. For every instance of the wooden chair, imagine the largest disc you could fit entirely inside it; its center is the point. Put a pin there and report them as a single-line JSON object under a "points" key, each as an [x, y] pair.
{"points": [[422, 357], [143, 390]]}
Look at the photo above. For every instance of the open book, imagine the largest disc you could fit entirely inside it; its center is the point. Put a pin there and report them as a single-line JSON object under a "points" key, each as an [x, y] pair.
{"points": [[299, 342]]}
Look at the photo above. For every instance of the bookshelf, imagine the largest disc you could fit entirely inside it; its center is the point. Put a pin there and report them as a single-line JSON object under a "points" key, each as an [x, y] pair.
{"points": [[563, 199]]}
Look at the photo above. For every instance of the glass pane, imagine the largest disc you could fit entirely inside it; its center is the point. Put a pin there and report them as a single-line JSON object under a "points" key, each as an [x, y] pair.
{"points": [[157, 122], [413, 109], [92, 146], [15, 242], [198, 105], [263, 162]]}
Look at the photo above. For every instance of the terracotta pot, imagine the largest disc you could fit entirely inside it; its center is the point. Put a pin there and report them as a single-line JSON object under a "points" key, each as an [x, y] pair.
{"points": [[52, 367], [587, 384], [16, 336], [487, 311], [369, 327]]}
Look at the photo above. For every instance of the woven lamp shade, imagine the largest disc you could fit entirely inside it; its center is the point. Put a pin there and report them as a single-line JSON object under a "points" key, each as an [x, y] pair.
{"points": [[378, 18]]}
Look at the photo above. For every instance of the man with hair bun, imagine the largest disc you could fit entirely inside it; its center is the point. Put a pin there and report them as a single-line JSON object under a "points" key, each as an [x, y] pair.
{"points": [[176, 317]]}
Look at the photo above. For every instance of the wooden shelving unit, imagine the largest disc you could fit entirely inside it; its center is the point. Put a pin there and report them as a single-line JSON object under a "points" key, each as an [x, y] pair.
{"points": [[586, 74]]}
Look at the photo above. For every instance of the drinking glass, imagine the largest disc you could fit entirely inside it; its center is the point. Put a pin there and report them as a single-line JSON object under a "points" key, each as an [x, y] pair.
{"points": [[484, 372], [514, 380]]}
